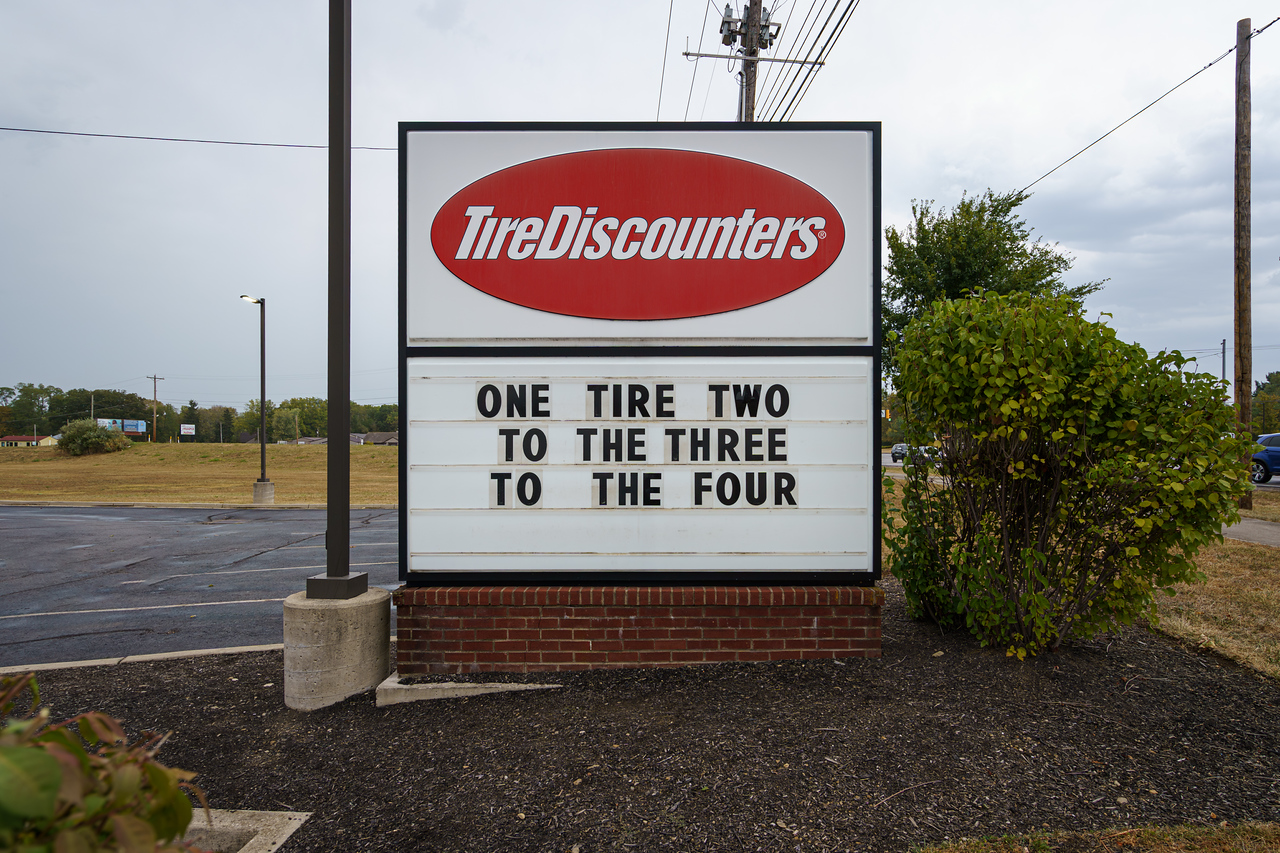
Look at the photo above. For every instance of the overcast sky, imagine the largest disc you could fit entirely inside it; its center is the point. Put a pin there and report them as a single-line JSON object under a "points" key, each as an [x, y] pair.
{"points": [[121, 259]]}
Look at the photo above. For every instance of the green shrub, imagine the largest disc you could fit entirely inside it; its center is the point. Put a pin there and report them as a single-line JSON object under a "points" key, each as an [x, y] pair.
{"points": [[85, 436], [1076, 475], [60, 794]]}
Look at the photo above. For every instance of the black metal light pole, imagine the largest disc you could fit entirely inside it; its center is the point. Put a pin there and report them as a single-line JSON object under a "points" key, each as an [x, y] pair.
{"points": [[261, 302], [338, 581]]}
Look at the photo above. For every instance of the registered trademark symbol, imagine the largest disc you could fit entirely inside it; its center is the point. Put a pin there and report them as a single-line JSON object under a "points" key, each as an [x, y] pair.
{"points": [[822, 235]]}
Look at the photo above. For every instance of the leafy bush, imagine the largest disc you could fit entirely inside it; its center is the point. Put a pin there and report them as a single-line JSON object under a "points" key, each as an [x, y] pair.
{"points": [[58, 794], [1077, 475], [85, 436]]}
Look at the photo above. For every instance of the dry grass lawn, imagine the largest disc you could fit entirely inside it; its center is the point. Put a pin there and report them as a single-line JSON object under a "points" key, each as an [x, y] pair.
{"points": [[1236, 611], [1266, 505], [193, 473]]}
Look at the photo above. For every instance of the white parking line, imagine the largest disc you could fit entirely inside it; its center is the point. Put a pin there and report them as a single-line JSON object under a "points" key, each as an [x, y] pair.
{"points": [[322, 545], [135, 609], [252, 571]]}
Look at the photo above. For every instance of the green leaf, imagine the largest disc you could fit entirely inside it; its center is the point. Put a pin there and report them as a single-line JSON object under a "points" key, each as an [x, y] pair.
{"points": [[126, 782], [29, 781], [172, 817], [162, 780], [95, 727]]}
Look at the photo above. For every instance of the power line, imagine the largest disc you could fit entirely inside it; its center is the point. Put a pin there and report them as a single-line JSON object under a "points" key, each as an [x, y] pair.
{"points": [[797, 44], [811, 73], [796, 83], [779, 95], [1216, 350], [845, 23], [706, 97], [186, 139], [769, 71], [800, 33], [1143, 110], [694, 79], [665, 43]]}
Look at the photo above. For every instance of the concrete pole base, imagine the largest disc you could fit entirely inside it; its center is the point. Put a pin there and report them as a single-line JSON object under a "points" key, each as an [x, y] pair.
{"points": [[264, 493], [335, 648]]}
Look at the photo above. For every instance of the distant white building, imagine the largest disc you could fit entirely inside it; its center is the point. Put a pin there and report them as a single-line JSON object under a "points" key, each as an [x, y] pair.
{"points": [[29, 441]]}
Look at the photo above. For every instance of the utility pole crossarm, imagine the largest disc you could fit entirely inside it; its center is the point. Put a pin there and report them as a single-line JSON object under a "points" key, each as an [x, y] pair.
{"points": [[686, 53]]}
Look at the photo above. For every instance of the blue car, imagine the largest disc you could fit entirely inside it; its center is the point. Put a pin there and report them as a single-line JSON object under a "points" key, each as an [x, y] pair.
{"points": [[1266, 461]]}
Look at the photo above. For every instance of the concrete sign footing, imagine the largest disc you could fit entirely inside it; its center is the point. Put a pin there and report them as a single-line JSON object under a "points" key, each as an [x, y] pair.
{"points": [[393, 692], [264, 492], [335, 648], [242, 831]]}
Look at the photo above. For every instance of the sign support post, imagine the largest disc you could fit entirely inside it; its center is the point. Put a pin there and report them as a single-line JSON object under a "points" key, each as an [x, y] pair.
{"points": [[337, 582], [337, 633]]}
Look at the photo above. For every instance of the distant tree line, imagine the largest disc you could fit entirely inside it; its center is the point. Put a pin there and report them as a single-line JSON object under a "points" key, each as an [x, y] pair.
{"points": [[1266, 405], [46, 410]]}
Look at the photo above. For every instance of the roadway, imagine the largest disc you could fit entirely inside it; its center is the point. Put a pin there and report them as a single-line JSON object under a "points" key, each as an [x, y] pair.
{"points": [[83, 583]]}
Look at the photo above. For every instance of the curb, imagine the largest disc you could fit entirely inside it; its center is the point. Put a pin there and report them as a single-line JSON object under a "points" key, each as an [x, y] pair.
{"points": [[193, 653]]}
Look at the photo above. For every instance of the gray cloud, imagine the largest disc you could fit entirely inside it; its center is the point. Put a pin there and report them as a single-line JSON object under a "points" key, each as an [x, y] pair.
{"points": [[123, 258]]}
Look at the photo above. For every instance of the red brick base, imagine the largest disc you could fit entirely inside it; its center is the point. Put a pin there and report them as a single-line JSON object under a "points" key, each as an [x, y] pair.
{"points": [[533, 629]]}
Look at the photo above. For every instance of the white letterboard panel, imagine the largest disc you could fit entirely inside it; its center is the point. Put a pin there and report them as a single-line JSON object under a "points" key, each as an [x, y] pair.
{"points": [[688, 464]]}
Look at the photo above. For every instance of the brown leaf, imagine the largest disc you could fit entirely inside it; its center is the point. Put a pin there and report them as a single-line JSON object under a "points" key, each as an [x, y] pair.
{"points": [[133, 834]]}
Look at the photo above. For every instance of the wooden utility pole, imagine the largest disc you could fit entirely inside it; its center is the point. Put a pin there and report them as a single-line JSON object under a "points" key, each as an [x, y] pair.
{"points": [[1243, 312], [154, 379], [751, 45]]}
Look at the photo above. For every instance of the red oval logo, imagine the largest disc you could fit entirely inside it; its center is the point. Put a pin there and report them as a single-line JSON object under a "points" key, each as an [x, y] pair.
{"points": [[637, 234]]}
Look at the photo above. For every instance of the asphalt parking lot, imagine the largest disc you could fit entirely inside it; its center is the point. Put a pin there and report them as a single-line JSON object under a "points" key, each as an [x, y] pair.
{"points": [[83, 583]]}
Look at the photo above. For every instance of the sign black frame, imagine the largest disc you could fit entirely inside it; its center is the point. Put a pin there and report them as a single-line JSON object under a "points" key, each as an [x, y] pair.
{"points": [[636, 578]]}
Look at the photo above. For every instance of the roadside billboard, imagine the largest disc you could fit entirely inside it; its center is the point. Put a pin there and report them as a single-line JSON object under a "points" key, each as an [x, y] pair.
{"points": [[123, 425], [639, 353]]}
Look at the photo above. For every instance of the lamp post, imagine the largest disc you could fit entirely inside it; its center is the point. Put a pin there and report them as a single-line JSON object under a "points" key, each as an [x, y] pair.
{"points": [[264, 491]]}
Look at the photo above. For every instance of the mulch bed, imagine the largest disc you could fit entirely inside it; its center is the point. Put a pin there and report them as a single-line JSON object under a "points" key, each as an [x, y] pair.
{"points": [[938, 739]]}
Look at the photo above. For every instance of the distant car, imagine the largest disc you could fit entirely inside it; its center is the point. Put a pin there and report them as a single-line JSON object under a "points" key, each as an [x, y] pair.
{"points": [[1266, 462], [898, 452], [924, 455]]}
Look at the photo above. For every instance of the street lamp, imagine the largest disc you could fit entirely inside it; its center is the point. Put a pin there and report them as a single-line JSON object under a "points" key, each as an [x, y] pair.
{"points": [[264, 491]]}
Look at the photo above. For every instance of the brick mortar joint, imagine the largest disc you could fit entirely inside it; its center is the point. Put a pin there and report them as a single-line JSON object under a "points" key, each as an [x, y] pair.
{"points": [[640, 597]]}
